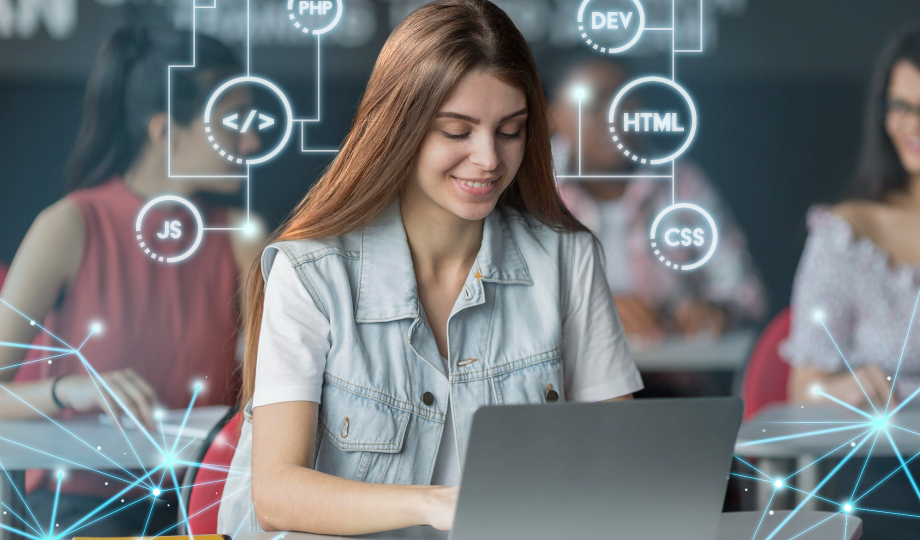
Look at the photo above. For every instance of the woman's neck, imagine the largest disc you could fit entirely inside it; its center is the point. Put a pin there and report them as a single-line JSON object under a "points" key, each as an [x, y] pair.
{"points": [[911, 196], [439, 240]]}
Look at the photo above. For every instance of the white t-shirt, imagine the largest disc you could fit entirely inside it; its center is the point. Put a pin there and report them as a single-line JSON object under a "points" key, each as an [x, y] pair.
{"points": [[295, 340]]}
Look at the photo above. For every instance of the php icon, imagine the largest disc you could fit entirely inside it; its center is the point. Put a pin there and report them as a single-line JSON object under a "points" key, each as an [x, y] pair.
{"points": [[315, 7], [611, 20]]}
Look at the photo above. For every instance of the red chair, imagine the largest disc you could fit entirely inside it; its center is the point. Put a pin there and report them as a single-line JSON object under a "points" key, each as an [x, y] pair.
{"points": [[205, 484], [766, 375]]}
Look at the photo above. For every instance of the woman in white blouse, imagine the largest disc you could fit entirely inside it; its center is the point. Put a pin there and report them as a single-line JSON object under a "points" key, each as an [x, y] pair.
{"points": [[858, 282]]}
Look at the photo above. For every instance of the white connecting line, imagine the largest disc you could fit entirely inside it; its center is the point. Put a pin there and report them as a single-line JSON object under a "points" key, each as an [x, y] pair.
{"points": [[247, 176], [303, 138], [581, 97]]}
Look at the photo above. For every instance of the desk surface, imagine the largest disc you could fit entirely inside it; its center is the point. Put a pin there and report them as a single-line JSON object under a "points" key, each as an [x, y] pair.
{"points": [[677, 353], [732, 526], [39, 444], [838, 424]]}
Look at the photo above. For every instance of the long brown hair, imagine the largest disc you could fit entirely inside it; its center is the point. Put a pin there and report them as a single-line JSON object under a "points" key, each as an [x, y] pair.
{"points": [[420, 64]]}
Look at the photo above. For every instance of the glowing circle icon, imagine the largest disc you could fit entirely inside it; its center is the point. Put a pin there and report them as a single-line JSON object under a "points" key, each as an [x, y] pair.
{"points": [[252, 120], [624, 123], [611, 26], [172, 230], [320, 15], [682, 231]]}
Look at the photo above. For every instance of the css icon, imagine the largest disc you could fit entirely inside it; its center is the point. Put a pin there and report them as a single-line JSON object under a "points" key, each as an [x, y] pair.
{"points": [[683, 236]]}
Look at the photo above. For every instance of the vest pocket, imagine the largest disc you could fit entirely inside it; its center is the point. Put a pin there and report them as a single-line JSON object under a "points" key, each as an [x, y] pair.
{"points": [[540, 382], [361, 437]]}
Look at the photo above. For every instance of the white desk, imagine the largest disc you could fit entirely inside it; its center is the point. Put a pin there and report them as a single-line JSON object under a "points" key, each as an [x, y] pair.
{"points": [[677, 353], [766, 425], [732, 526], [39, 444]]}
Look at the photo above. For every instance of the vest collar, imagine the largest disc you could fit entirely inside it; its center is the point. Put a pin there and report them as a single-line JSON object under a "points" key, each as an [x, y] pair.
{"points": [[387, 289]]}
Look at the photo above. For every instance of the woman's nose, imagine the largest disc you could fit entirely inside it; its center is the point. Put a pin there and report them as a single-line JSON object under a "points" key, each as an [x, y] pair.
{"points": [[484, 154]]}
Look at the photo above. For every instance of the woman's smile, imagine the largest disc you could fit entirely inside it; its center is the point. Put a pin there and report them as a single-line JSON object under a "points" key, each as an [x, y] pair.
{"points": [[477, 186]]}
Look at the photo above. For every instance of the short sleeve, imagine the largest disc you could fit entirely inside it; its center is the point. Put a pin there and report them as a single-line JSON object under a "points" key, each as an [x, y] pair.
{"points": [[596, 359], [293, 342], [822, 297]]}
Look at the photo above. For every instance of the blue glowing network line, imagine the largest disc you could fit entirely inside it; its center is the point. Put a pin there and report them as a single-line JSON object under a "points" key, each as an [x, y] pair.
{"points": [[879, 423], [903, 348], [170, 452]]}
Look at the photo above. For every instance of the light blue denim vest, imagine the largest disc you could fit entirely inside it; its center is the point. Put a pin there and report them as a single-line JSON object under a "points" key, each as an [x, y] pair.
{"points": [[377, 420]]}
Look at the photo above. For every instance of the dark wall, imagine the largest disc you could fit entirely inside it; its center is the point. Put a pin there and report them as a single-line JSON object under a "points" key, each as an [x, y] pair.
{"points": [[779, 99]]}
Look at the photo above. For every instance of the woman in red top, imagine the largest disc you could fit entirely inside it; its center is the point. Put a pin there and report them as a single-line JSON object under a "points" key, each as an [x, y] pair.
{"points": [[163, 325]]}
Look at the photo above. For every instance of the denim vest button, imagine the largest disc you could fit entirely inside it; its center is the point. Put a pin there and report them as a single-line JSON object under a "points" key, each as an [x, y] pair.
{"points": [[428, 398], [551, 395]]}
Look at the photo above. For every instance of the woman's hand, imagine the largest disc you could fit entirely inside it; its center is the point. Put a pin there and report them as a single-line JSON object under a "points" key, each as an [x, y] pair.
{"points": [[806, 384], [639, 317], [440, 507], [81, 393], [873, 382]]}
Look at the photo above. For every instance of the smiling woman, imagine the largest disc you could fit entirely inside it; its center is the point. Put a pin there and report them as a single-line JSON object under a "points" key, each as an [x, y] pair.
{"points": [[432, 270], [858, 284]]}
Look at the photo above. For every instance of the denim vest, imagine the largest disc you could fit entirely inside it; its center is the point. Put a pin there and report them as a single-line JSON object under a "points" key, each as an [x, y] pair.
{"points": [[385, 391]]}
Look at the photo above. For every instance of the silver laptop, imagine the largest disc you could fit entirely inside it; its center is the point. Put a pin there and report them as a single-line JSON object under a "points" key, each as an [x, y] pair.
{"points": [[643, 469]]}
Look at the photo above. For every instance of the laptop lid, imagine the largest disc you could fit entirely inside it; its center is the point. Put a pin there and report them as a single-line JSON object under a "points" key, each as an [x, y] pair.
{"points": [[650, 469]]}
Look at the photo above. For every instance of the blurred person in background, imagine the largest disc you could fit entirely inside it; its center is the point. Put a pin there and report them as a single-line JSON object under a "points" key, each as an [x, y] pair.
{"points": [[858, 282], [652, 299], [162, 326]]}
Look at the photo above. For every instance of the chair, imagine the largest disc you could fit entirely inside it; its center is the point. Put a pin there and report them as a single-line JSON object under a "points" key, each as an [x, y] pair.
{"points": [[204, 485], [766, 375]]}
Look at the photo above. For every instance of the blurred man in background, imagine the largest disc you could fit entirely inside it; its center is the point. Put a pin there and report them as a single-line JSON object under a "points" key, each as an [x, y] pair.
{"points": [[652, 299]]}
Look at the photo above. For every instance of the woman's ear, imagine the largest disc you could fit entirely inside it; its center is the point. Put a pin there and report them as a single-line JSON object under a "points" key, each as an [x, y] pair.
{"points": [[156, 128]]}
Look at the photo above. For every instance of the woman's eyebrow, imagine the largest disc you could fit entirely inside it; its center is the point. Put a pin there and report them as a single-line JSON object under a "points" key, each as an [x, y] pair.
{"points": [[470, 119]]}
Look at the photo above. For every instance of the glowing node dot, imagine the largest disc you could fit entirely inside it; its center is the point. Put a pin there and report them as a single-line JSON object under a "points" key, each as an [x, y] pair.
{"points": [[847, 507], [198, 385], [580, 92], [818, 315], [889, 377], [156, 492], [250, 230], [98, 448], [852, 445], [771, 512], [49, 361], [778, 483], [815, 389]]}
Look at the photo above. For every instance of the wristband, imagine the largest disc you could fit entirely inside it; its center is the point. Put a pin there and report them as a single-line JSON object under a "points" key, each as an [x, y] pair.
{"points": [[54, 397]]}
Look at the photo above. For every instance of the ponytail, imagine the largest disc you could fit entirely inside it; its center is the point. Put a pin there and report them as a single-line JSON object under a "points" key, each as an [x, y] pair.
{"points": [[127, 87]]}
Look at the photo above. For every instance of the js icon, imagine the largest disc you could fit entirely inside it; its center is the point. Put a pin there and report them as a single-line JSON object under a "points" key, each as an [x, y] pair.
{"points": [[174, 226]]}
